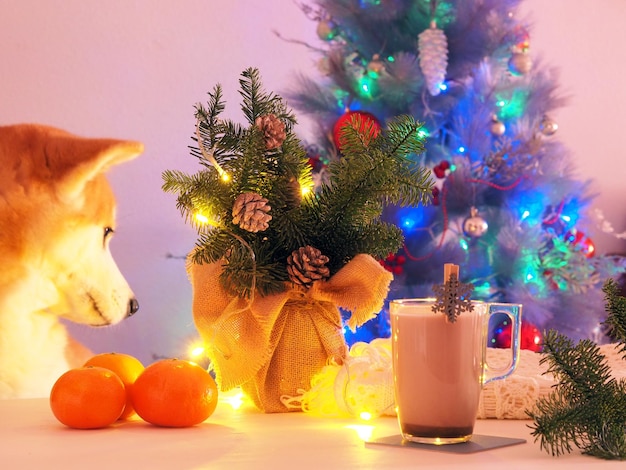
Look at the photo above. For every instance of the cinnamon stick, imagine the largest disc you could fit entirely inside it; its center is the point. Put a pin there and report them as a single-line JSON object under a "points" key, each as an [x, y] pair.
{"points": [[448, 270]]}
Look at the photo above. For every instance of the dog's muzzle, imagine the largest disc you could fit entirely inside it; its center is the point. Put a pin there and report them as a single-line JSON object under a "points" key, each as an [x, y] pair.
{"points": [[133, 306]]}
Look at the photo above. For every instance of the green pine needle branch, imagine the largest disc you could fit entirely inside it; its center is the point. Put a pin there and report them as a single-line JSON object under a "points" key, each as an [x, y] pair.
{"points": [[341, 218], [587, 408]]}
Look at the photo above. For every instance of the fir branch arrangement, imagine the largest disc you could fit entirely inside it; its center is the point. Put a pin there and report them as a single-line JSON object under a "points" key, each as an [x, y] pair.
{"points": [[253, 203], [587, 409]]}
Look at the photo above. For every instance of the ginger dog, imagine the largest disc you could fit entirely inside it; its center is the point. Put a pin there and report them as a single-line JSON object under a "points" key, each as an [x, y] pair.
{"points": [[57, 216]]}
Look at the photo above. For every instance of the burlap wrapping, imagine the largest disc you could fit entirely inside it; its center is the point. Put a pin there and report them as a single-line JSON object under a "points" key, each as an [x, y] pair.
{"points": [[272, 346]]}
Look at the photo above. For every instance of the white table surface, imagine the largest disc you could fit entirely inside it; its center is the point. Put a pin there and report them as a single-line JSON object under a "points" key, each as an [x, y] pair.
{"points": [[31, 438]]}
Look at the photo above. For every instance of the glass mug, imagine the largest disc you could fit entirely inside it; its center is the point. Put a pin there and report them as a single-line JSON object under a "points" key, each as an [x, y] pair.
{"points": [[440, 367]]}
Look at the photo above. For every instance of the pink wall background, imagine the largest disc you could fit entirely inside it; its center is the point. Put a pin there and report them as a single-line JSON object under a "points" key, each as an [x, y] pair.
{"points": [[135, 68]]}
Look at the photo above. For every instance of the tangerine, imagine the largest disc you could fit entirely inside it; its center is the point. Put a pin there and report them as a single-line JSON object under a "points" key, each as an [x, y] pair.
{"points": [[174, 393], [126, 367], [88, 398]]}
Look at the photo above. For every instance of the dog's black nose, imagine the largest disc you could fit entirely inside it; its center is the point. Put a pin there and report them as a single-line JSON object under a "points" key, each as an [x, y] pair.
{"points": [[133, 306]]}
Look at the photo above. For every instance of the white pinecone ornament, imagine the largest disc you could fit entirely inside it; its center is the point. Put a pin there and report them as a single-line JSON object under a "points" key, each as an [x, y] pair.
{"points": [[250, 212], [307, 265], [432, 46]]}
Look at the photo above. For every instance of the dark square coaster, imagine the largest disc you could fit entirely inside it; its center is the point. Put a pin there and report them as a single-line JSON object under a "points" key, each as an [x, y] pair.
{"points": [[478, 443]]}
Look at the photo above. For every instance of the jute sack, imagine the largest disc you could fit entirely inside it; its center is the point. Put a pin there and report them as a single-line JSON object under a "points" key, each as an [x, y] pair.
{"points": [[272, 346]]}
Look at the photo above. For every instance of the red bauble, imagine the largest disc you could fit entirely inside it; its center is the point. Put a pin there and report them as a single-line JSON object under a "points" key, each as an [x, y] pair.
{"points": [[581, 241], [531, 337], [368, 120]]}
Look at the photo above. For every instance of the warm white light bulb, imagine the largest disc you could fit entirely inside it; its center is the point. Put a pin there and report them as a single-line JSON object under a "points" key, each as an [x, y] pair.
{"points": [[196, 351], [203, 219]]}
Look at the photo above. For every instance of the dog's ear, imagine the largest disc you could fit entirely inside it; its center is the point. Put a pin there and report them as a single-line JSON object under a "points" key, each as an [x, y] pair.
{"points": [[33, 152], [75, 161], [85, 159]]}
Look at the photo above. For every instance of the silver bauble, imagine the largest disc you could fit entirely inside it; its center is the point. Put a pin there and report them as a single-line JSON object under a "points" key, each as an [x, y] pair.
{"points": [[475, 226], [497, 127], [520, 63], [547, 126]]}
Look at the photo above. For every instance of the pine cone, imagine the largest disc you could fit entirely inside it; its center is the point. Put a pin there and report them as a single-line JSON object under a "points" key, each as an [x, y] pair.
{"points": [[250, 212], [433, 56], [273, 130], [307, 265]]}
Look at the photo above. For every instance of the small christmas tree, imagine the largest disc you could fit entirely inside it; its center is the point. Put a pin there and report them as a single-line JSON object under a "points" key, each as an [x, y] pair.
{"points": [[275, 260], [507, 207], [253, 204]]}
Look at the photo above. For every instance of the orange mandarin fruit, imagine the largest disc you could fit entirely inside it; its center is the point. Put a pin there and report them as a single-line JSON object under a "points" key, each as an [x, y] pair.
{"points": [[126, 367], [88, 398], [174, 393]]}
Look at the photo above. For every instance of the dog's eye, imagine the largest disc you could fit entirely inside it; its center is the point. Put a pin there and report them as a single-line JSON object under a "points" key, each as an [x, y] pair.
{"points": [[108, 231]]}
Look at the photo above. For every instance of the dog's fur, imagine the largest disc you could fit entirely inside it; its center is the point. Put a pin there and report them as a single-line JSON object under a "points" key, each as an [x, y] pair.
{"points": [[57, 214]]}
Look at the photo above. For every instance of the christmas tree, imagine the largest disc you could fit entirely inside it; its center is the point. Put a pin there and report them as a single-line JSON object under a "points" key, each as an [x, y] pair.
{"points": [[506, 206]]}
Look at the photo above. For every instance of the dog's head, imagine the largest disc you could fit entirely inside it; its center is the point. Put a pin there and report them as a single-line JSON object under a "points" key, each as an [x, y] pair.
{"points": [[57, 217]]}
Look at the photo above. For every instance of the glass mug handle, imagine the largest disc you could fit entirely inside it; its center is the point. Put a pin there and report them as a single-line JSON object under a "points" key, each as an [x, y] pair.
{"points": [[514, 312]]}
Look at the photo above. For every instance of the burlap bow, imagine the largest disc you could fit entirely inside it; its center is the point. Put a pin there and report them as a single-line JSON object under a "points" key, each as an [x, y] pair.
{"points": [[272, 346]]}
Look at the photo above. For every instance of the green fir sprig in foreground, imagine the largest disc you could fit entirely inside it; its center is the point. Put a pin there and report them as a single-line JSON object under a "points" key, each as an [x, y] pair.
{"points": [[587, 408], [263, 168]]}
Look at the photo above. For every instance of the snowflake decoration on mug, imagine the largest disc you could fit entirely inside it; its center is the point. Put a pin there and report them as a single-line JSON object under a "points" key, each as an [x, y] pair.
{"points": [[453, 297]]}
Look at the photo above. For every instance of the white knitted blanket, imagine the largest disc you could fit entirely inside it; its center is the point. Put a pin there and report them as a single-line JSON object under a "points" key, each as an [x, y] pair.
{"points": [[511, 397]]}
